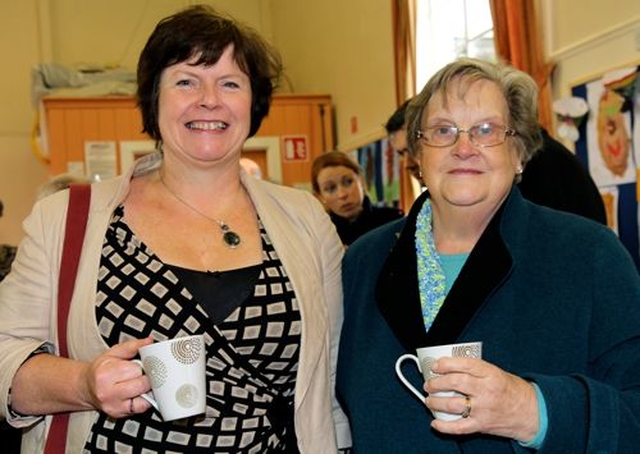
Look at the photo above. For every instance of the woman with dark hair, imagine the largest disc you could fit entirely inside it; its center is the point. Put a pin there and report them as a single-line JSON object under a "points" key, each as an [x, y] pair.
{"points": [[184, 243], [337, 182]]}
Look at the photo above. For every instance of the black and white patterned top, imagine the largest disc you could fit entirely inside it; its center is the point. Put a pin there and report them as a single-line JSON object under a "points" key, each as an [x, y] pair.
{"points": [[252, 355]]}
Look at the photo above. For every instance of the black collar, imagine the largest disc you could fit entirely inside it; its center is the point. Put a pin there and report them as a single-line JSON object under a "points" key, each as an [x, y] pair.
{"points": [[397, 292]]}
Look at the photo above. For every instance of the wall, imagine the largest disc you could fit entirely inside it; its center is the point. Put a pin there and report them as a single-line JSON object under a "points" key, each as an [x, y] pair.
{"points": [[345, 51], [20, 170], [588, 37], [114, 31]]}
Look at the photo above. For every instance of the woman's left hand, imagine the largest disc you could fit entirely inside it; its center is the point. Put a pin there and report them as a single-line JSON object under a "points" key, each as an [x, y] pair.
{"points": [[501, 403]]}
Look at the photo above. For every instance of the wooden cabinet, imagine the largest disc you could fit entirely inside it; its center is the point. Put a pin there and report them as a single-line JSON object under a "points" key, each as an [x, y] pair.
{"points": [[304, 125], [299, 126], [70, 122]]}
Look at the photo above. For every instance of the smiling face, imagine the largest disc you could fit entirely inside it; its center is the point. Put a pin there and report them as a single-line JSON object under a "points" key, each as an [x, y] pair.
{"points": [[341, 191], [204, 112], [463, 174]]}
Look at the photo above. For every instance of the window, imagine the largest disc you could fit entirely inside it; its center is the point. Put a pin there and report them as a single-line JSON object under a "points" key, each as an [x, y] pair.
{"points": [[448, 29]]}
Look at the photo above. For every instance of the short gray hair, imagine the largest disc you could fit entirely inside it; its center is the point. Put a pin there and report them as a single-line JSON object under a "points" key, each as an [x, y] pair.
{"points": [[519, 89]]}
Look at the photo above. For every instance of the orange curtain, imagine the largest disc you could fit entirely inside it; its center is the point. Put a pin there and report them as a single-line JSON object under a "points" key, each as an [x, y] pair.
{"points": [[404, 26], [518, 41]]}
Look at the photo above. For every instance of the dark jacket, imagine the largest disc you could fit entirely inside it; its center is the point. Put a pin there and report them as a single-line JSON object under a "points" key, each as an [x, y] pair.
{"points": [[553, 297], [370, 218], [557, 179]]}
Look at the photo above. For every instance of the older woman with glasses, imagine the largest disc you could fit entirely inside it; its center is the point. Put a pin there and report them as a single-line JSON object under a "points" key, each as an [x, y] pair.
{"points": [[553, 297]]}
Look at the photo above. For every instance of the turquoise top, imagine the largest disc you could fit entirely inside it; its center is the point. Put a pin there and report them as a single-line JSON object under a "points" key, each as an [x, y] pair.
{"points": [[451, 265]]}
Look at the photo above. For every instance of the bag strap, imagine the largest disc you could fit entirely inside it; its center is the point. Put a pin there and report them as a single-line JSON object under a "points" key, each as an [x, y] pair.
{"points": [[77, 214]]}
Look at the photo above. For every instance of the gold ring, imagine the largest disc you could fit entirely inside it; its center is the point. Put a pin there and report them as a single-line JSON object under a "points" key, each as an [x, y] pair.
{"points": [[467, 407], [131, 406]]}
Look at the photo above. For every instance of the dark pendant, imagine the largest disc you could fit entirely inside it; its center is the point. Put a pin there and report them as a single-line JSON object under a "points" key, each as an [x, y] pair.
{"points": [[231, 239]]}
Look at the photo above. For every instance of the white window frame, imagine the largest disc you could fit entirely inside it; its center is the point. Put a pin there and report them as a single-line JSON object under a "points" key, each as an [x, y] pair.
{"points": [[448, 29]]}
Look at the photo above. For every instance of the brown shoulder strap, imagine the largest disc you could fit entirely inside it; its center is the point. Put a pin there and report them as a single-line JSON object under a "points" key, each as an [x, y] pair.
{"points": [[77, 214]]}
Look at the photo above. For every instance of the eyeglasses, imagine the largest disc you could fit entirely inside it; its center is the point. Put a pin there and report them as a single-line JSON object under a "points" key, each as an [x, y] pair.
{"points": [[481, 135]]}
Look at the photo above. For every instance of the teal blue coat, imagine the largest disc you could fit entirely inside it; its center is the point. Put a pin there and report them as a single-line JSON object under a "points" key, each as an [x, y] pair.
{"points": [[554, 298]]}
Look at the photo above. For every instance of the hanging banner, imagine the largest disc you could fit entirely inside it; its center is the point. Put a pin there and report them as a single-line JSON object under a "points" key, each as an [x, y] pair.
{"points": [[609, 145]]}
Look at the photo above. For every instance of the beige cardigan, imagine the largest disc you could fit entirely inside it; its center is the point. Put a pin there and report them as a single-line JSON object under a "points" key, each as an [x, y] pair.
{"points": [[307, 245]]}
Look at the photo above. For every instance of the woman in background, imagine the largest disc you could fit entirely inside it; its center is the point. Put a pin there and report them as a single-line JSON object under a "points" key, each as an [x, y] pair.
{"points": [[184, 243], [337, 182]]}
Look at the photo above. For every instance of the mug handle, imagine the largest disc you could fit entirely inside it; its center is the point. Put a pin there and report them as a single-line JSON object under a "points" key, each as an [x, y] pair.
{"points": [[403, 379], [149, 395]]}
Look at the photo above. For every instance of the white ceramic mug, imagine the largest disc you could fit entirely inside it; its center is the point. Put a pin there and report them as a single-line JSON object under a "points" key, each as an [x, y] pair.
{"points": [[176, 369], [426, 356]]}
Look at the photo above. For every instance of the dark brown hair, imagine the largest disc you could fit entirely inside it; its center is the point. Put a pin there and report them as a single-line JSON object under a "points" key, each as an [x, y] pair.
{"points": [[201, 31], [331, 159]]}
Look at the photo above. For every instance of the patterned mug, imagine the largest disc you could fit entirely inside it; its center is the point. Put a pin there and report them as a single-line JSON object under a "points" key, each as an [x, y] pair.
{"points": [[425, 356], [176, 370]]}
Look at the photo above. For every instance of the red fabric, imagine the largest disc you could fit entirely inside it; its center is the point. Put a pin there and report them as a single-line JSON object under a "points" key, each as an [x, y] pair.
{"points": [[77, 213], [404, 26], [518, 41]]}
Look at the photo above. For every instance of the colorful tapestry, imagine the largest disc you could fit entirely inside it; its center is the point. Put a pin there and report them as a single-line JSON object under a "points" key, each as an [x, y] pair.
{"points": [[381, 172], [609, 145]]}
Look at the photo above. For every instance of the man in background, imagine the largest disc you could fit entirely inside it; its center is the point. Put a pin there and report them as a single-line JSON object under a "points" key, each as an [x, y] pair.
{"points": [[397, 134], [554, 177]]}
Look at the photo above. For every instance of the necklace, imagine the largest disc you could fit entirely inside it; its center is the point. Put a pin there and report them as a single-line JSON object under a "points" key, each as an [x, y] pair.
{"points": [[230, 238]]}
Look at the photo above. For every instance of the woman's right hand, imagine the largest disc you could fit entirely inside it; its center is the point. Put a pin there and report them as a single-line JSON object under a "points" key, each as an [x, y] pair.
{"points": [[113, 380], [46, 384]]}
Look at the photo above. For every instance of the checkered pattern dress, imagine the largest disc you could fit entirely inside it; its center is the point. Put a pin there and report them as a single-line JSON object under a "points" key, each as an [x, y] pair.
{"points": [[252, 355]]}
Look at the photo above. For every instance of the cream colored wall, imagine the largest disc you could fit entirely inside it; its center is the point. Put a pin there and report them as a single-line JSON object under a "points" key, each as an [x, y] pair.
{"points": [[20, 171], [114, 32], [588, 37], [343, 48]]}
